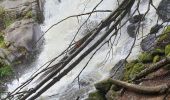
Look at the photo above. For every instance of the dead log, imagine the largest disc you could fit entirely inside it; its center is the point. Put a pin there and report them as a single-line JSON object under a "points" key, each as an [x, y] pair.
{"points": [[141, 89], [152, 68]]}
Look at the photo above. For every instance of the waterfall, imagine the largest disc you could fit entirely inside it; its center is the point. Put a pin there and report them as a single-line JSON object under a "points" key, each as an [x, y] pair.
{"points": [[59, 37]]}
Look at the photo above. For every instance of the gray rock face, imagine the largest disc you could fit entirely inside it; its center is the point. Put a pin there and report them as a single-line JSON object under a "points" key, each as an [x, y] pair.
{"points": [[148, 43], [134, 23], [24, 33], [22, 37], [131, 30], [118, 70], [136, 18], [164, 10]]}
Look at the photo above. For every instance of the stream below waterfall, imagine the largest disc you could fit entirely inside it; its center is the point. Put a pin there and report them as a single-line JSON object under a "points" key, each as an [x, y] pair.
{"points": [[58, 38]]}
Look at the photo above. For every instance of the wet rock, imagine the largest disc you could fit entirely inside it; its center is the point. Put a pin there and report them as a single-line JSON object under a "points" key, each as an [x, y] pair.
{"points": [[148, 43], [163, 10], [103, 86], [118, 70], [131, 30], [136, 18], [155, 29], [22, 37], [96, 96]]}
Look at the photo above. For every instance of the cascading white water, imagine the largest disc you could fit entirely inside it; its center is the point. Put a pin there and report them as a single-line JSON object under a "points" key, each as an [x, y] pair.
{"points": [[59, 37]]}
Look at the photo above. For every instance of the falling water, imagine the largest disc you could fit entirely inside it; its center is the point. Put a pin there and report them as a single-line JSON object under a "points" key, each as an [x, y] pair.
{"points": [[59, 37]]}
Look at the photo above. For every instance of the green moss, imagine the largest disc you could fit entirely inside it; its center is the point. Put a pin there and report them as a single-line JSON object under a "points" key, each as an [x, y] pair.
{"points": [[167, 30], [158, 51], [8, 21], [96, 96], [156, 59], [136, 69], [5, 70], [167, 49], [28, 14], [145, 57], [128, 69], [6, 17], [103, 86], [165, 35], [132, 69]]}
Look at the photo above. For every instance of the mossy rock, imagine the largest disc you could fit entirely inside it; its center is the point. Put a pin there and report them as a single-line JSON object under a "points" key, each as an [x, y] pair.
{"points": [[103, 86], [167, 49], [128, 69], [156, 59], [158, 51], [145, 57], [136, 69], [97, 95], [164, 35]]}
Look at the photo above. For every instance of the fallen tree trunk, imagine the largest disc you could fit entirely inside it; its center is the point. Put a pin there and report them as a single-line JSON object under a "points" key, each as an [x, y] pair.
{"points": [[152, 68], [141, 89]]}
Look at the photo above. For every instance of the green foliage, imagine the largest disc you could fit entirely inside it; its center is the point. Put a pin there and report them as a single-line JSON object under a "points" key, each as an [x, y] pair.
{"points": [[145, 57], [156, 59], [167, 49], [96, 96], [5, 70]]}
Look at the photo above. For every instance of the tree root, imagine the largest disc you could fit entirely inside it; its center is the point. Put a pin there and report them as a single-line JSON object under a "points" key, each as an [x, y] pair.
{"points": [[141, 89]]}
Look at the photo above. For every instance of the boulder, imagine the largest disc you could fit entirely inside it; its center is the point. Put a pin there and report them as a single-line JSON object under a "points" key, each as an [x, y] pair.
{"points": [[131, 30], [136, 18], [163, 10], [103, 86], [22, 37], [118, 70], [148, 43]]}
